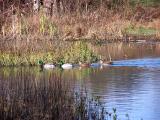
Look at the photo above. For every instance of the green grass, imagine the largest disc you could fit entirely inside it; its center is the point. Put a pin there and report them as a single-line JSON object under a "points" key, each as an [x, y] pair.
{"points": [[140, 31], [74, 53], [145, 2]]}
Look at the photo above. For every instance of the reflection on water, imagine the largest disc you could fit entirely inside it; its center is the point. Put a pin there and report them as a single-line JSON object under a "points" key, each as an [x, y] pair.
{"points": [[132, 86], [134, 90], [128, 50], [129, 89]]}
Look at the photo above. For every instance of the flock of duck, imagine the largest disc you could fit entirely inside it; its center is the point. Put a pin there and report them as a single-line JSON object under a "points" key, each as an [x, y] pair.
{"points": [[70, 65]]}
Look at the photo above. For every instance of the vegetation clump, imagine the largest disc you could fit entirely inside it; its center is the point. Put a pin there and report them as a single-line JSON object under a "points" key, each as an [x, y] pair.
{"points": [[74, 52]]}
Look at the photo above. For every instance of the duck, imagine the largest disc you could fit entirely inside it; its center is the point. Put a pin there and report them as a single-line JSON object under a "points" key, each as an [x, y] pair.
{"points": [[67, 66], [49, 66], [95, 65], [46, 66], [84, 64], [106, 63]]}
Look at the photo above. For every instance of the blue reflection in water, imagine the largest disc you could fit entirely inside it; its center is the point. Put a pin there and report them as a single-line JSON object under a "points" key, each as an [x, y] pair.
{"points": [[146, 62]]}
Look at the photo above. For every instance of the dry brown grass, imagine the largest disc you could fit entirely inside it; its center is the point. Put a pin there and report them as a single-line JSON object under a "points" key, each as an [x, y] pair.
{"points": [[154, 24], [102, 24], [97, 25]]}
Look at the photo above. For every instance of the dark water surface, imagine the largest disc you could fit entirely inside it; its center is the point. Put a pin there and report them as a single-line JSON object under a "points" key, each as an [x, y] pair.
{"points": [[131, 84]]}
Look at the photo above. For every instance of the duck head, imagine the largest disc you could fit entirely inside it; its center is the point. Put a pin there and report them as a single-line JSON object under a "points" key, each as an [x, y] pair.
{"points": [[40, 62]]}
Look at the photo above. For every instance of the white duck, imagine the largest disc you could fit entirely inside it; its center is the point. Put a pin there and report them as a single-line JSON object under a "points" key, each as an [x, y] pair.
{"points": [[67, 66], [49, 66], [46, 66]]}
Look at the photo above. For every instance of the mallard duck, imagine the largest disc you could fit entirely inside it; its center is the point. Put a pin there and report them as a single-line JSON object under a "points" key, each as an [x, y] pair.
{"points": [[84, 64], [67, 66], [46, 66], [49, 66], [105, 63]]}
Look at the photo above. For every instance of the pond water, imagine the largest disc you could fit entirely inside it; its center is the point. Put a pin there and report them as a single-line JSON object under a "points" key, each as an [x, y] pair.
{"points": [[131, 84]]}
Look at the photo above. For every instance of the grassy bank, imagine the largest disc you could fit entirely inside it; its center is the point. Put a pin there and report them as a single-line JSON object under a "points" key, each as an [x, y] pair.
{"points": [[72, 53], [27, 36]]}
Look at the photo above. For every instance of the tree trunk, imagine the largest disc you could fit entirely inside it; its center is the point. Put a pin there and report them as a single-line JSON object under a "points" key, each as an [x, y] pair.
{"points": [[15, 29]]}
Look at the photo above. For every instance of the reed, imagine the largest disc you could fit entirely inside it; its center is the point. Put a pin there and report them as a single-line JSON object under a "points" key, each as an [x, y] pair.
{"points": [[51, 100], [29, 97]]}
